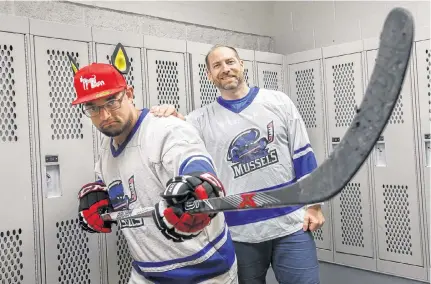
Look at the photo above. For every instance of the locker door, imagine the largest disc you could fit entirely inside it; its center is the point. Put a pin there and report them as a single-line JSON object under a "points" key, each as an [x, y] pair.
{"points": [[119, 261], [395, 182], [134, 77], [249, 73], [423, 65], [66, 149], [269, 68], [352, 207], [306, 93], [17, 249], [166, 79], [204, 91], [423, 71], [119, 258], [270, 76]]}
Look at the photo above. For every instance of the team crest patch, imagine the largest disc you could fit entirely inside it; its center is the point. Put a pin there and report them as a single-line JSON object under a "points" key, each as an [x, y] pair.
{"points": [[119, 199], [249, 151]]}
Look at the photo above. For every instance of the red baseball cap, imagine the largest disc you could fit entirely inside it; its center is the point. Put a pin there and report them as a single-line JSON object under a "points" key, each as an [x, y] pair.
{"points": [[96, 81]]}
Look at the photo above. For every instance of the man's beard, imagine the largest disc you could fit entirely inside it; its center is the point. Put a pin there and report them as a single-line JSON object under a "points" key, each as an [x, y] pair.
{"points": [[230, 86], [117, 132]]}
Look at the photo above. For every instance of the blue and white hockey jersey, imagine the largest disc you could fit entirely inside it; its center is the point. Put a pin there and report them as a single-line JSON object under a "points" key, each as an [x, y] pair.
{"points": [[258, 143], [136, 173]]}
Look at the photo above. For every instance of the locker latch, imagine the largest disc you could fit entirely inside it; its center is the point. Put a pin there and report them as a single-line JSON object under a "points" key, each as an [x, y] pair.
{"points": [[380, 152], [52, 177], [335, 142]]}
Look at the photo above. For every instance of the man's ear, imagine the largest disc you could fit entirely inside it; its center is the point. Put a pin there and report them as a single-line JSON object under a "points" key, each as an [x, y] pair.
{"points": [[130, 93]]}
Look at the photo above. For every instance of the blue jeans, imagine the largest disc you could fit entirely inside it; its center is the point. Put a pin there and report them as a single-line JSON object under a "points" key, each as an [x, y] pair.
{"points": [[293, 259]]}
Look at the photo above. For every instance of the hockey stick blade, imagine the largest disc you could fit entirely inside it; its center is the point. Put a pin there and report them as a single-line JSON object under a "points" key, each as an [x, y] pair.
{"points": [[383, 90]]}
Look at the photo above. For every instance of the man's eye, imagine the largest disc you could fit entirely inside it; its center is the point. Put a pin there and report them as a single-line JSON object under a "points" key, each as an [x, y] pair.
{"points": [[110, 103]]}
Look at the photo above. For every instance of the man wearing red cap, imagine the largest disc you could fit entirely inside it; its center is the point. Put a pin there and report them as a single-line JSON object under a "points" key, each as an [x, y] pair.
{"points": [[141, 158]]}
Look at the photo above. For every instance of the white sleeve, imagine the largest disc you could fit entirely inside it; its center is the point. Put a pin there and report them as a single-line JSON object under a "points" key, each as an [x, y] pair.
{"points": [[184, 151]]}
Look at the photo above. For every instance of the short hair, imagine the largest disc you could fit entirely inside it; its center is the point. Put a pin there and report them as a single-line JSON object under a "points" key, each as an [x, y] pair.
{"points": [[217, 46]]}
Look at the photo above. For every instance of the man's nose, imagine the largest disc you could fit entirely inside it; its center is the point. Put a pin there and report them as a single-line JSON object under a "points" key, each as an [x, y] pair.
{"points": [[103, 113], [225, 68]]}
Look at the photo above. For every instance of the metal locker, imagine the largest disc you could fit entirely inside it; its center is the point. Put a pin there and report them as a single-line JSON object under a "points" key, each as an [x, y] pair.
{"points": [[305, 90], [66, 154], [204, 91], [352, 207], [105, 42], [423, 71], [423, 110], [395, 182], [166, 73], [248, 66], [118, 258], [17, 247], [269, 70]]}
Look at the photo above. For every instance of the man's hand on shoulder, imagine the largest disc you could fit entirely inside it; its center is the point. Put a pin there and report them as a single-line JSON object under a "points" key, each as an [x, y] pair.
{"points": [[165, 111]]}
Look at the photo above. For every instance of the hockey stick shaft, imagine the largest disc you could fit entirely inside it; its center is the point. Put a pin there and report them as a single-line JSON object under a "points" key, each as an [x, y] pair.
{"points": [[338, 169], [143, 212], [334, 173]]}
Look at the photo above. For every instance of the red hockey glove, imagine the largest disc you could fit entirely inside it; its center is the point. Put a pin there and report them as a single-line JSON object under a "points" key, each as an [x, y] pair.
{"points": [[93, 201], [169, 214]]}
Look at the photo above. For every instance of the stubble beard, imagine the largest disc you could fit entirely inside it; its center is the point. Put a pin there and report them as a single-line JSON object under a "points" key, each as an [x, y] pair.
{"points": [[117, 132], [230, 86]]}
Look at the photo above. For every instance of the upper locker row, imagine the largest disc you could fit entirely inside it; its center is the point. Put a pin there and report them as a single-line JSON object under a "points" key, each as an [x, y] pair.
{"points": [[379, 220], [48, 147]]}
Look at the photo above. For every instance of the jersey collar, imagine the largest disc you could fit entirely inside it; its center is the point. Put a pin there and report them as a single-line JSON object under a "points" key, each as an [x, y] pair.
{"points": [[239, 105], [117, 152]]}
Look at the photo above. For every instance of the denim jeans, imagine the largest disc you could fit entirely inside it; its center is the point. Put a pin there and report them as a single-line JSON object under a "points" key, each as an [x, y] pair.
{"points": [[293, 259]]}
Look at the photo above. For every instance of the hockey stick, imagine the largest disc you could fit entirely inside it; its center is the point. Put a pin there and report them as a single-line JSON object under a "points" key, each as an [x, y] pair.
{"points": [[383, 90], [144, 212]]}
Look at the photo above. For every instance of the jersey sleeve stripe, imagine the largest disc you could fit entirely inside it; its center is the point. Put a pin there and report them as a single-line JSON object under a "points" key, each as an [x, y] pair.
{"points": [[196, 163], [304, 164], [297, 151]]}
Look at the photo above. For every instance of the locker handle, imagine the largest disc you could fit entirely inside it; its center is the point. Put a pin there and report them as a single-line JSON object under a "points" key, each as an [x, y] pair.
{"points": [[427, 151], [380, 150], [335, 142], [52, 179]]}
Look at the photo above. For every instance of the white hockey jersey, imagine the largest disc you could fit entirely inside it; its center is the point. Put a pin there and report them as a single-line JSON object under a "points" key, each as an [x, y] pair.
{"points": [[258, 143], [136, 173]]}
